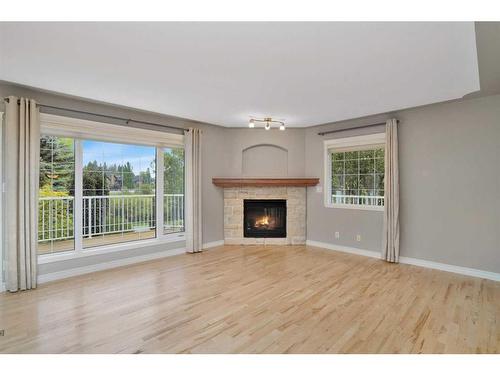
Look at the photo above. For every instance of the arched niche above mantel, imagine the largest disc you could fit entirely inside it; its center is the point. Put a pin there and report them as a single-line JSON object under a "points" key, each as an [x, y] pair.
{"points": [[265, 160]]}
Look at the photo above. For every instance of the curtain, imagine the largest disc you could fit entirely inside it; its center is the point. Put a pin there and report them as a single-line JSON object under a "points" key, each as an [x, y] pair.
{"points": [[22, 151], [193, 216], [390, 247]]}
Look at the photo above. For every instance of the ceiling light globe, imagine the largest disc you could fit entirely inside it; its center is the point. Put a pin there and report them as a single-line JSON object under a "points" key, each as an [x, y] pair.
{"points": [[268, 126]]}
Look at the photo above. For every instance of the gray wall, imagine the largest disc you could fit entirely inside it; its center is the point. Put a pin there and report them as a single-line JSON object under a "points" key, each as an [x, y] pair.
{"points": [[214, 164], [449, 186]]}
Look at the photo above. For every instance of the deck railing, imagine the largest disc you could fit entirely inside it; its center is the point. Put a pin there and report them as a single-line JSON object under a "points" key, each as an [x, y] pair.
{"points": [[362, 200], [107, 214]]}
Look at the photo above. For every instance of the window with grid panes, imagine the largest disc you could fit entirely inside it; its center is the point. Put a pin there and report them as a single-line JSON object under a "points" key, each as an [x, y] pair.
{"points": [[355, 174]]}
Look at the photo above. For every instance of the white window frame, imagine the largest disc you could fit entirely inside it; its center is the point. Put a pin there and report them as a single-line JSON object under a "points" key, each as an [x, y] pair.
{"points": [[80, 130], [343, 145]]}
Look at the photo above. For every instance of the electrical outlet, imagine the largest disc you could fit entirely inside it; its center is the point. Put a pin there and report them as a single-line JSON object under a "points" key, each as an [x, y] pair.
{"points": [[358, 237], [337, 235]]}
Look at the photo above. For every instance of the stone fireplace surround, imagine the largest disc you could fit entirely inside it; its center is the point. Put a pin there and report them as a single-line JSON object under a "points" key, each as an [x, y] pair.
{"points": [[295, 221]]}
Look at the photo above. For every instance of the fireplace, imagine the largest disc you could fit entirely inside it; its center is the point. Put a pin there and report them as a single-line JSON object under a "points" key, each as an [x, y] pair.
{"points": [[264, 218]]}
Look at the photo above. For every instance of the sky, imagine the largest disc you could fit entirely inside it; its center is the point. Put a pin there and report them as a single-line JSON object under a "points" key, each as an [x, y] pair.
{"points": [[140, 157]]}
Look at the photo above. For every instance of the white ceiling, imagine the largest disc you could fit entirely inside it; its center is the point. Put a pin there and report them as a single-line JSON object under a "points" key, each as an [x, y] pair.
{"points": [[222, 73]]}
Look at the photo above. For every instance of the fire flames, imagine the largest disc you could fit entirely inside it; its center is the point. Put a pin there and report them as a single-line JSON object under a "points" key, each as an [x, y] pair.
{"points": [[262, 222]]}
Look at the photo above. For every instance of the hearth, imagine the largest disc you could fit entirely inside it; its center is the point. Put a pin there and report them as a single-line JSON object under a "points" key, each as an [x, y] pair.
{"points": [[264, 218]]}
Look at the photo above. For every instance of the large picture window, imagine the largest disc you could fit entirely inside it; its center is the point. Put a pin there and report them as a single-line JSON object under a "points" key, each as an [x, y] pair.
{"points": [[97, 193], [354, 173]]}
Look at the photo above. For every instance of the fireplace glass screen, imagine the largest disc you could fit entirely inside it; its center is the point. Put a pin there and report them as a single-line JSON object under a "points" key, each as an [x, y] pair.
{"points": [[264, 218]]}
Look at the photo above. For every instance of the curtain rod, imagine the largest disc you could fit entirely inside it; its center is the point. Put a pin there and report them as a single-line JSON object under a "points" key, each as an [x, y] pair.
{"points": [[127, 120], [355, 127]]}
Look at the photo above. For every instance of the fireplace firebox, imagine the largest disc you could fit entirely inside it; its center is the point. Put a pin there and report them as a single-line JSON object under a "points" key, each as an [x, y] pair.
{"points": [[264, 218]]}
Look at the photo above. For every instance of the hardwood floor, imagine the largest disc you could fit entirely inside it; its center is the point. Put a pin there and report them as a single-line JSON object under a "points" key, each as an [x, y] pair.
{"points": [[255, 299]]}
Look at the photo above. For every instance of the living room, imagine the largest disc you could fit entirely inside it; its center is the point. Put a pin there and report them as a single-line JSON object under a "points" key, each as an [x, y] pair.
{"points": [[235, 195]]}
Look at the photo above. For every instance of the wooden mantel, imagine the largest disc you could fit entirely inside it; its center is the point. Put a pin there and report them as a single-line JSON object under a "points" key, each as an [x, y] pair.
{"points": [[263, 182]]}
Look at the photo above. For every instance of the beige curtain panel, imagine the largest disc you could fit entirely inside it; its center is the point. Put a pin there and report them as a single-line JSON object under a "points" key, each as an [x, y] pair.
{"points": [[22, 153], [193, 217], [390, 246]]}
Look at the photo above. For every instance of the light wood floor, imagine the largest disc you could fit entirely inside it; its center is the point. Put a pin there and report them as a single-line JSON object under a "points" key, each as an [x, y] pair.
{"points": [[273, 299]]}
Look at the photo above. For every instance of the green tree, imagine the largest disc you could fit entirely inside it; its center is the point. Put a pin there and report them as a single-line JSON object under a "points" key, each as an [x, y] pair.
{"points": [[173, 160], [128, 175], [57, 156], [95, 182], [146, 182]]}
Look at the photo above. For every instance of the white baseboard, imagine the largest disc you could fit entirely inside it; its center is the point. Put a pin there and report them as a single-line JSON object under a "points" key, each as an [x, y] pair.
{"points": [[209, 245], [413, 261], [107, 265], [451, 268], [344, 249]]}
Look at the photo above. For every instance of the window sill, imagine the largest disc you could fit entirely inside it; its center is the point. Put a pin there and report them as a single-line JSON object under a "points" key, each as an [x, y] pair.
{"points": [[355, 207], [73, 254]]}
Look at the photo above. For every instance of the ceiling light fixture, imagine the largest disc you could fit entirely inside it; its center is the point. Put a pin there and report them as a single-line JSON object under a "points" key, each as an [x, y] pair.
{"points": [[267, 121]]}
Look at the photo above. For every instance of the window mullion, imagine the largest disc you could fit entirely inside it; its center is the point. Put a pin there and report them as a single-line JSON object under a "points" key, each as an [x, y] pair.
{"points": [[78, 201]]}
